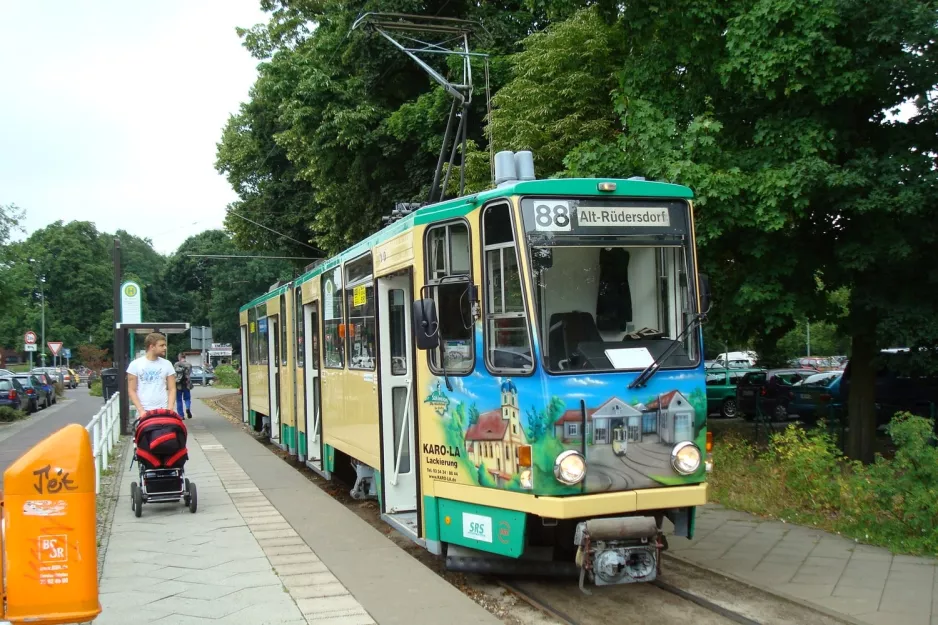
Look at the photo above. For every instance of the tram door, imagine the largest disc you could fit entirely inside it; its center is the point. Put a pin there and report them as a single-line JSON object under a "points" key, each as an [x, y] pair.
{"points": [[397, 399], [313, 412], [273, 367]]}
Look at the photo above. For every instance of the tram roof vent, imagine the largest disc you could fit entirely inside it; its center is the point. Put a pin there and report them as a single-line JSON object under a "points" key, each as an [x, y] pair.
{"points": [[524, 165], [505, 168]]}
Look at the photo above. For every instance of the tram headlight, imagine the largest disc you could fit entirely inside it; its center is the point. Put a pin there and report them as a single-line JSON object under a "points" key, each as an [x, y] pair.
{"points": [[570, 467], [685, 458]]}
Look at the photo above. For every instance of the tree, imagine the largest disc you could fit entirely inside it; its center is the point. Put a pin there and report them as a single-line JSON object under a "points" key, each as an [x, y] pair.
{"points": [[93, 357], [775, 113], [10, 217], [340, 124]]}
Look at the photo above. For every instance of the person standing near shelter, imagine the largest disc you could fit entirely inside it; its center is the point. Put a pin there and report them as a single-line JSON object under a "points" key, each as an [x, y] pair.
{"points": [[183, 385], [151, 379]]}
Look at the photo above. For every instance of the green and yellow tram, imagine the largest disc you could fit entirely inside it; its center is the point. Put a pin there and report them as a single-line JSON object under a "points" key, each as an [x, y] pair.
{"points": [[516, 373]]}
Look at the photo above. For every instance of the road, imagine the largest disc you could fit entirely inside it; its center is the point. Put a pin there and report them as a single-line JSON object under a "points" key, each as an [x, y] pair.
{"points": [[77, 406]]}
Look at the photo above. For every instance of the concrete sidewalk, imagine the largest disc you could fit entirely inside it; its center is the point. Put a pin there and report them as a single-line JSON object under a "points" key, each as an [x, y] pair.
{"points": [[245, 556], [836, 575]]}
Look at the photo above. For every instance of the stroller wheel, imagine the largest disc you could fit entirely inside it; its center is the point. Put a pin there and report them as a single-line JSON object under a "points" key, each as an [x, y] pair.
{"points": [[133, 494], [193, 498], [138, 502]]}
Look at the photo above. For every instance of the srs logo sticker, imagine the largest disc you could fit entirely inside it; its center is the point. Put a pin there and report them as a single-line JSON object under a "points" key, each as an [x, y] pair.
{"points": [[477, 527]]}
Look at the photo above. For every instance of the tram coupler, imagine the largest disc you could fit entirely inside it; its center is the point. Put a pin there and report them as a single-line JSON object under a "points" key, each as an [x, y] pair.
{"points": [[622, 550]]}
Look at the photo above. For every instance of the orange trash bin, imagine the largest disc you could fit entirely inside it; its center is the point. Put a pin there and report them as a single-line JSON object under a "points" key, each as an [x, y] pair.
{"points": [[50, 555]]}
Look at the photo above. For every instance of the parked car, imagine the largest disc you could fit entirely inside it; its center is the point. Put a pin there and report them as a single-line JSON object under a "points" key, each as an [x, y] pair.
{"points": [[900, 386], [768, 391], [721, 390], [197, 376], [816, 395], [12, 393], [35, 394], [48, 386]]}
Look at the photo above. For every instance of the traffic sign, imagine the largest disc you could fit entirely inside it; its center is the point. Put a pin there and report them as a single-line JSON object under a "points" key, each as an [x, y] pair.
{"points": [[55, 346], [30, 347], [66, 353], [30, 338]]}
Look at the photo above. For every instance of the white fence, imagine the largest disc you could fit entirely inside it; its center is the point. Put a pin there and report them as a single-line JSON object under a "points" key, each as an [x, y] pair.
{"points": [[104, 429]]}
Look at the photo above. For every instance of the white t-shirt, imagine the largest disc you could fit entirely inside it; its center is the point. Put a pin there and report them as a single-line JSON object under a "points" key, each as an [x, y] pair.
{"points": [[151, 381]]}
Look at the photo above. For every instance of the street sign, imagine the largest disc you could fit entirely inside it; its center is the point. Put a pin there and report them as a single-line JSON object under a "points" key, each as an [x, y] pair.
{"points": [[30, 347], [55, 346], [131, 307], [30, 338], [220, 349], [67, 353], [200, 337]]}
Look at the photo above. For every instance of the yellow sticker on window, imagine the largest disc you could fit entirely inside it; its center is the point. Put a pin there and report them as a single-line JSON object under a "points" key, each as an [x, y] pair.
{"points": [[359, 296]]}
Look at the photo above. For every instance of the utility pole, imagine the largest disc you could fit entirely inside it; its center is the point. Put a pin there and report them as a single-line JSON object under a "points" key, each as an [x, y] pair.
{"points": [[42, 297], [123, 400]]}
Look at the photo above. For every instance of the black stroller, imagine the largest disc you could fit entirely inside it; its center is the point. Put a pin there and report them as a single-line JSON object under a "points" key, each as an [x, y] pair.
{"points": [[160, 451]]}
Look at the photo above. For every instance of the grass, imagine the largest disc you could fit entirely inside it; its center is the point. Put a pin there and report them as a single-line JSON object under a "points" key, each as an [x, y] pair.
{"points": [[9, 415]]}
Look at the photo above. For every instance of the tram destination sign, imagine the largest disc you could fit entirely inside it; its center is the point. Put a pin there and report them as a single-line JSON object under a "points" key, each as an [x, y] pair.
{"points": [[589, 216], [619, 216]]}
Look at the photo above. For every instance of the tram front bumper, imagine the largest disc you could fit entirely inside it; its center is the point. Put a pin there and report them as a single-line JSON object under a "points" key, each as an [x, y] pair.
{"points": [[620, 550]]}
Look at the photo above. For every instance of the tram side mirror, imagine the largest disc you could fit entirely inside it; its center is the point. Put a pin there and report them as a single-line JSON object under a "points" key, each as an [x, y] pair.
{"points": [[704, 282], [426, 326]]}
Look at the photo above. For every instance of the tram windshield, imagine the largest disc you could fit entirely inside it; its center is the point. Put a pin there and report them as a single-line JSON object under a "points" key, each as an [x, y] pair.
{"points": [[607, 308]]}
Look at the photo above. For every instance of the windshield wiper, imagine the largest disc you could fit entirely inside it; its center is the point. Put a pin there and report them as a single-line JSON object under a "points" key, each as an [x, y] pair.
{"points": [[652, 369]]}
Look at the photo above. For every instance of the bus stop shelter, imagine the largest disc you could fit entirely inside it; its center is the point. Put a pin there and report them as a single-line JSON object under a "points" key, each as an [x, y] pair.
{"points": [[126, 335]]}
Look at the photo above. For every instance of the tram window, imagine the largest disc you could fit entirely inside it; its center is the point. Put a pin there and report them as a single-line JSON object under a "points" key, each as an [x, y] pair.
{"points": [[332, 313], [283, 330], [263, 339], [398, 331], [298, 328], [448, 256], [360, 298], [508, 341], [252, 337], [591, 298], [399, 405]]}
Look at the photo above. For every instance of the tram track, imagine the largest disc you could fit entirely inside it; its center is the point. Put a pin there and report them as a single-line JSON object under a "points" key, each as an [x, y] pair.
{"points": [[549, 605]]}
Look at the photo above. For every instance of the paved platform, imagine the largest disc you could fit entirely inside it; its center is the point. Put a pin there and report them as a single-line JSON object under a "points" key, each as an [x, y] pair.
{"points": [[266, 546], [856, 582]]}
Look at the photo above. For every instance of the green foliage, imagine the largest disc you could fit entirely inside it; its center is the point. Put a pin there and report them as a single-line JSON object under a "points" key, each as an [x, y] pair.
{"points": [[558, 96], [10, 218], [341, 124], [803, 477], [227, 376], [896, 500], [97, 389], [8, 414], [541, 423], [485, 478]]}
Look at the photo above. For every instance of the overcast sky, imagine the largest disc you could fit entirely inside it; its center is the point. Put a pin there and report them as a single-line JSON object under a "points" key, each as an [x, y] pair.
{"points": [[110, 111]]}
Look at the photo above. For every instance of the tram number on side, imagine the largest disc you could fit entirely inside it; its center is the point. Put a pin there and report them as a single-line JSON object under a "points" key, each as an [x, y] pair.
{"points": [[477, 527], [553, 216]]}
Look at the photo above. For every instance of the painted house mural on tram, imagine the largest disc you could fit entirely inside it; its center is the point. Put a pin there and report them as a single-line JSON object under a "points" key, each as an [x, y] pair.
{"points": [[629, 434]]}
